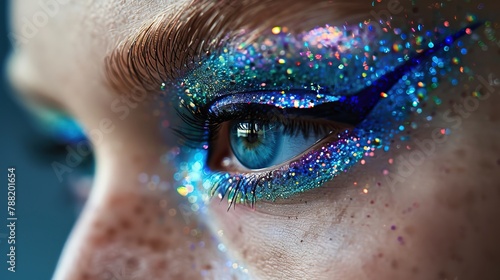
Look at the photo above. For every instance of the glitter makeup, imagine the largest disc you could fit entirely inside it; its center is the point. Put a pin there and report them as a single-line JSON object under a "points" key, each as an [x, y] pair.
{"points": [[361, 76]]}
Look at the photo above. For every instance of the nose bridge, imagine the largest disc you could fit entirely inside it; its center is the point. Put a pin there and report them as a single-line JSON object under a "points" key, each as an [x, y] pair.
{"points": [[108, 239], [135, 236]]}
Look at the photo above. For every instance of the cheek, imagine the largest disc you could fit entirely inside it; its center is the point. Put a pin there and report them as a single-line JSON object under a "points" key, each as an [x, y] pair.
{"points": [[442, 224], [138, 235], [445, 207], [437, 221], [129, 235], [311, 235]]}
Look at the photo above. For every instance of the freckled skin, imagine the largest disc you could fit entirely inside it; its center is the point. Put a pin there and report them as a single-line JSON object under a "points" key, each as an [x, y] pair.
{"points": [[445, 213]]}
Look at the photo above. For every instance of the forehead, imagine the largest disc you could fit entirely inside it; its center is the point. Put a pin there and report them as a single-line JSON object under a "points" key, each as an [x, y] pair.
{"points": [[60, 45]]}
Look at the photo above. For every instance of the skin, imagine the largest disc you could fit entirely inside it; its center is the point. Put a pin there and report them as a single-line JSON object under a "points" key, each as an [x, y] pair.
{"points": [[444, 212]]}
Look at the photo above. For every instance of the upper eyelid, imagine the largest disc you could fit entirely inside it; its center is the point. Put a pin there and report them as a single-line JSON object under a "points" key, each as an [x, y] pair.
{"points": [[369, 95], [165, 47], [388, 79]]}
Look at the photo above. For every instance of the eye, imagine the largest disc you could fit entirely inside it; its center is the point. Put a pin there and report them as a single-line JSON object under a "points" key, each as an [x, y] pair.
{"points": [[259, 145], [256, 145], [277, 123], [253, 137]]}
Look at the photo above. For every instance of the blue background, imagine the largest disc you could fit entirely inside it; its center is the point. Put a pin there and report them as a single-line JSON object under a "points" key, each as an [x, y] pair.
{"points": [[45, 208]]}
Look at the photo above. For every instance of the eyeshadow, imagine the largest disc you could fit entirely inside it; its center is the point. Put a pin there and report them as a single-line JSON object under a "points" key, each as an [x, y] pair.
{"points": [[322, 66]]}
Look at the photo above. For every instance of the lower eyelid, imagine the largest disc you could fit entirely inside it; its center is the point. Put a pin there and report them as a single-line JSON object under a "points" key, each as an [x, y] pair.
{"points": [[298, 175]]}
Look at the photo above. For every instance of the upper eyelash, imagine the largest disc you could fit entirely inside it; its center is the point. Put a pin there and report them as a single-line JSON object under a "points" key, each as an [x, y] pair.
{"points": [[209, 123]]}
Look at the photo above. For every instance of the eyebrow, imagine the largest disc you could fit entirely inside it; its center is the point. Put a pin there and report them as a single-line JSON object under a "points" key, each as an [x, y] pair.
{"points": [[167, 46]]}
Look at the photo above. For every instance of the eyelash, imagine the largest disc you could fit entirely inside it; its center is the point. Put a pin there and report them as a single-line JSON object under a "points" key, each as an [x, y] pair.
{"points": [[209, 123]]}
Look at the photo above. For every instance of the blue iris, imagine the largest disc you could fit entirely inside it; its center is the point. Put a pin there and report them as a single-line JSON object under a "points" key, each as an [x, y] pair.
{"points": [[259, 145], [255, 144]]}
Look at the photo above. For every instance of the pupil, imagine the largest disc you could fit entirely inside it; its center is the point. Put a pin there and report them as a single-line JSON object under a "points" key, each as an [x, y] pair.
{"points": [[253, 136], [255, 144]]}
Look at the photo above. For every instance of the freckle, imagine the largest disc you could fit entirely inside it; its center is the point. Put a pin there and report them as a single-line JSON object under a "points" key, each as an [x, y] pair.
{"points": [[138, 209], [147, 221], [161, 265], [207, 267], [372, 202], [136, 158], [85, 276], [98, 224], [110, 233], [156, 245], [498, 162], [394, 264], [140, 241], [460, 152], [485, 164], [368, 216], [331, 239], [352, 216], [470, 197], [168, 230], [410, 230], [448, 202], [393, 227], [401, 240], [125, 224], [132, 263], [442, 275], [99, 240], [240, 229], [461, 170], [380, 255], [301, 241], [414, 270]]}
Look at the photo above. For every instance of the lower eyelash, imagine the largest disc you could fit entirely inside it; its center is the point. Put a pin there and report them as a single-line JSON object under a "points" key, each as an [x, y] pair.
{"points": [[288, 179]]}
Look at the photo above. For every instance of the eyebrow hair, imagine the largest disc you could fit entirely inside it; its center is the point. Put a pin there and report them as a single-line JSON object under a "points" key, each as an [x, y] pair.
{"points": [[173, 42]]}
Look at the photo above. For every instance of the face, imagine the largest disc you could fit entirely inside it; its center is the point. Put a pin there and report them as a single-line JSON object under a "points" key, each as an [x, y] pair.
{"points": [[274, 139]]}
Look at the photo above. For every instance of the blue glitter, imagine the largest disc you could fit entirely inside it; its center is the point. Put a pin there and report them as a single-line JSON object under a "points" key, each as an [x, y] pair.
{"points": [[335, 67]]}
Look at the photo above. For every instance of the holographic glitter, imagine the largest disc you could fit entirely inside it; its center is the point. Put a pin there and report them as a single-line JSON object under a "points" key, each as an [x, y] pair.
{"points": [[375, 76]]}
